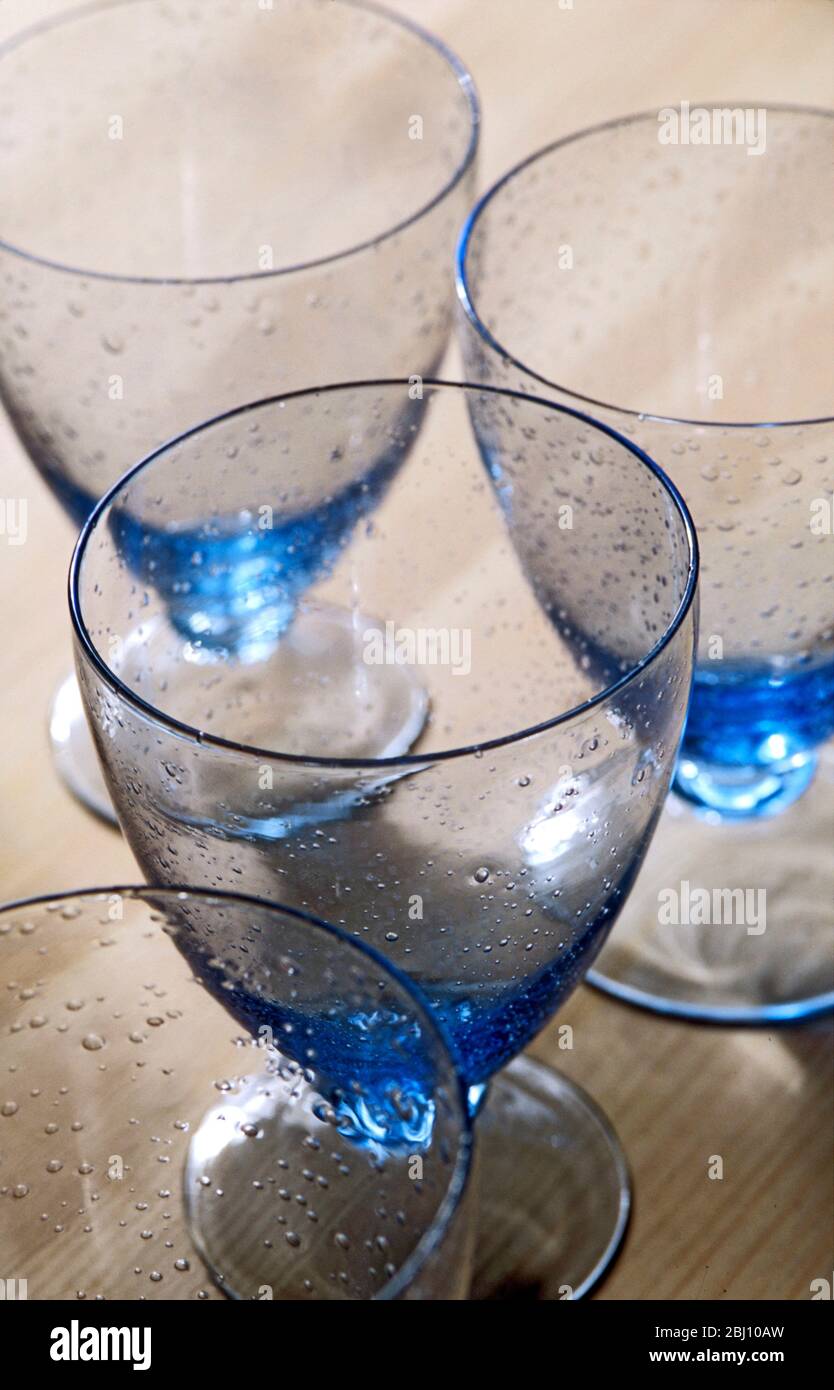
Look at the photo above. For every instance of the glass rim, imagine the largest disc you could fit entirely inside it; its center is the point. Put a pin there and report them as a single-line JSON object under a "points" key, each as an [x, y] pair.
{"points": [[461, 1173], [459, 70], [573, 715], [467, 302]]}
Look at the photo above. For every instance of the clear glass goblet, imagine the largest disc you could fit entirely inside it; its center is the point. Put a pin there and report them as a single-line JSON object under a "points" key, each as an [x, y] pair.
{"points": [[325, 1155], [202, 211], [490, 860], [672, 273]]}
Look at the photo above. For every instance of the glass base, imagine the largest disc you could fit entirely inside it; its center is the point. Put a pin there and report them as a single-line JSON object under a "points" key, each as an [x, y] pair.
{"points": [[372, 710], [74, 752], [739, 793], [685, 944], [284, 1202], [554, 1190], [333, 700]]}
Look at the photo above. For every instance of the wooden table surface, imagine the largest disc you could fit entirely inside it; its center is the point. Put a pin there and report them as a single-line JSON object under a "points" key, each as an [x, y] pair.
{"points": [[762, 1098]]}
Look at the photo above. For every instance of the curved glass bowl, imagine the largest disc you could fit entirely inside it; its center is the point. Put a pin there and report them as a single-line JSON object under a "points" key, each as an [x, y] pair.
{"points": [[148, 1149], [203, 212], [490, 860], [670, 271]]}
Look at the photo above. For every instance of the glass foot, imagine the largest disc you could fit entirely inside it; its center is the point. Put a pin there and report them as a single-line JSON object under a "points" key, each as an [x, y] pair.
{"points": [[372, 710], [553, 1194], [740, 793], [554, 1191], [731, 922], [337, 693], [282, 1204], [74, 753]]}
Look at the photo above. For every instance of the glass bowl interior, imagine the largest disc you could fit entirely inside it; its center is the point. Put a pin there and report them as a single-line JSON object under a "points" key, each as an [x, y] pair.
{"points": [[225, 140], [634, 269], [194, 583]]}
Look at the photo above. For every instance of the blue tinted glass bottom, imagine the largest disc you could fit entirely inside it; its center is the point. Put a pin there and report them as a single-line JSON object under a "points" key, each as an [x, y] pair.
{"points": [[750, 737], [485, 1027], [490, 1024], [231, 582]]}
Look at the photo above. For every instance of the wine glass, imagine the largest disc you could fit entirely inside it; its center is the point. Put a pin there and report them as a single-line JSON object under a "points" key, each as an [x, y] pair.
{"points": [[677, 263], [167, 1152], [488, 861], [202, 208]]}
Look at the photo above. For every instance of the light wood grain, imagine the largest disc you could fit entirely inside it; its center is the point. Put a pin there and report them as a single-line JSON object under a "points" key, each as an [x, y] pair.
{"points": [[676, 1093]]}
